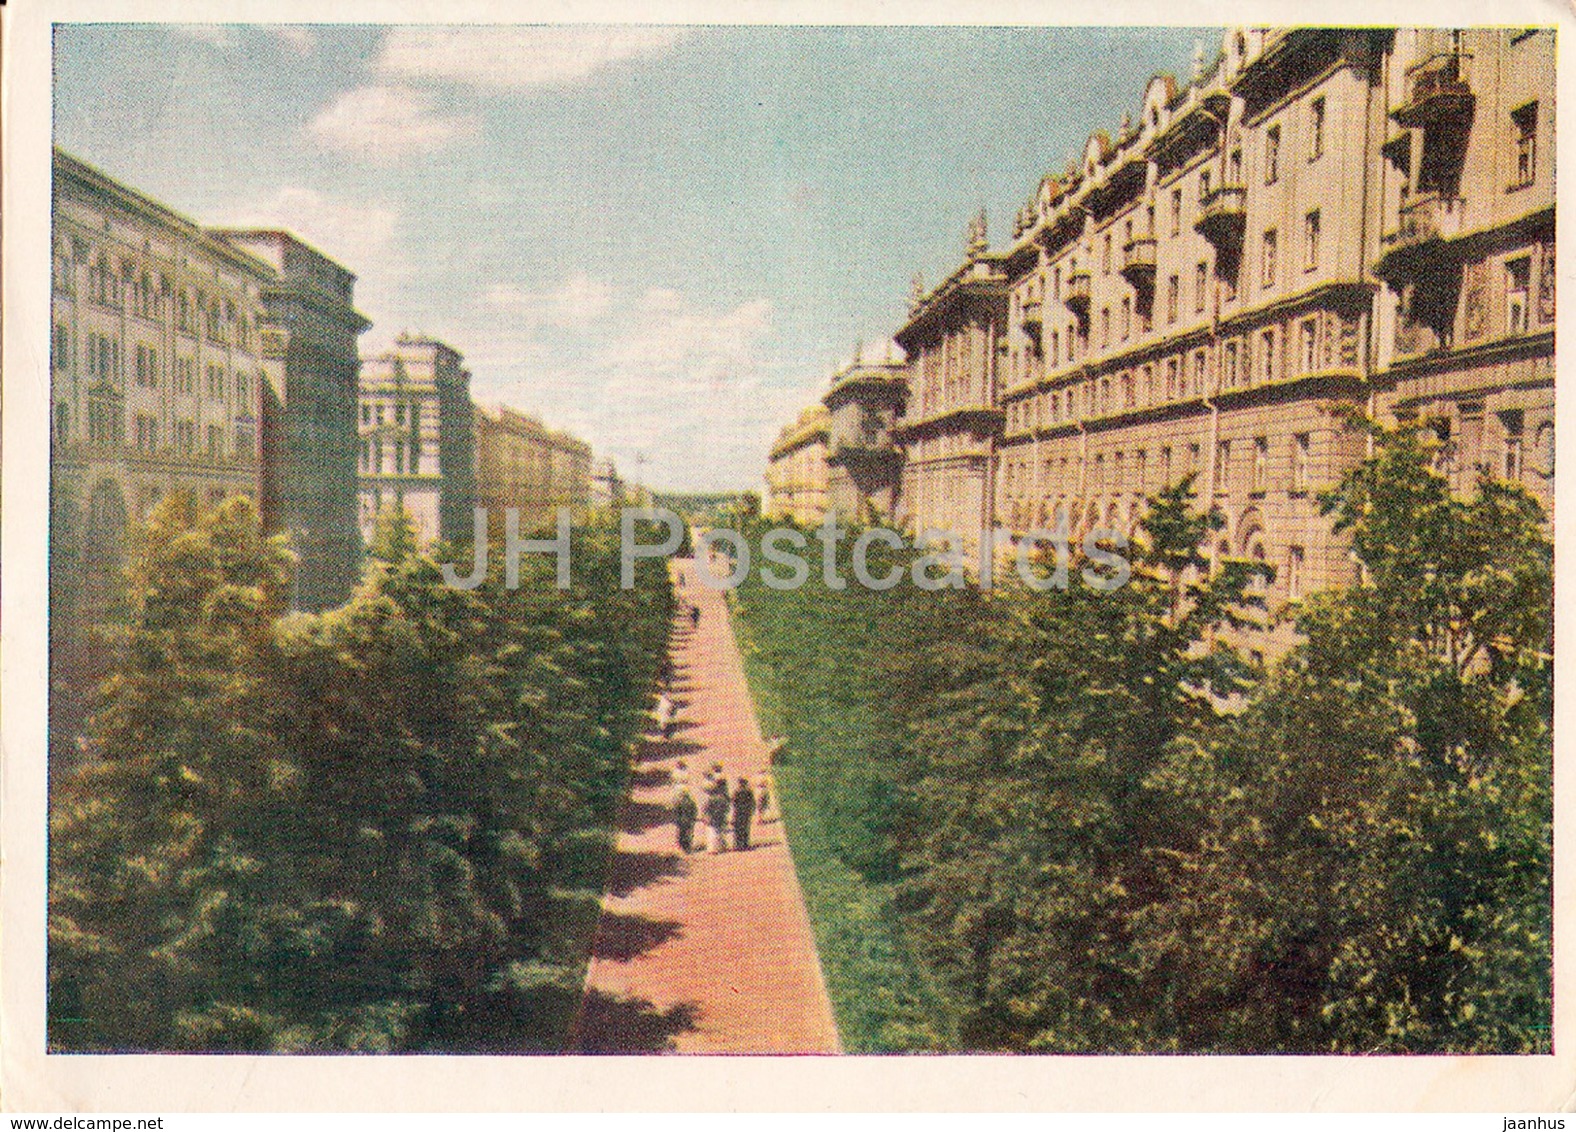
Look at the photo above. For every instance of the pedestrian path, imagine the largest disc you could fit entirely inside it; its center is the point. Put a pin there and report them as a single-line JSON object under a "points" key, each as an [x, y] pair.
{"points": [[697, 953]]}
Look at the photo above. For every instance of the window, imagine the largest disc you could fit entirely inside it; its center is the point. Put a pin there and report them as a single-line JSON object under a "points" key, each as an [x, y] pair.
{"points": [[1518, 279], [1105, 327], [1200, 286], [62, 348], [62, 423], [1294, 579], [1229, 376], [1310, 240], [1056, 348], [1192, 458], [1316, 130], [147, 433], [1200, 364], [1525, 121], [1236, 166], [1222, 465], [1127, 318], [216, 383], [1171, 378], [1140, 467], [1267, 275], [1512, 426], [1105, 255], [1128, 397], [1149, 385], [1299, 463], [1310, 339], [366, 414], [147, 366], [1165, 467], [1173, 291], [1176, 212], [186, 436], [1272, 155], [1261, 455], [399, 414], [243, 389], [1267, 341], [215, 439], [1203, 185], [245, 438]]}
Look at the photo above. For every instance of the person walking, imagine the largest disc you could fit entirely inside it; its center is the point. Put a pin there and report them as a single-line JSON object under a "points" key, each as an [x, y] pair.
{"points": [[717, 807], [685, 814], [695, 617], [679, 779], [763, 797], [665, 714], [743, 811]]}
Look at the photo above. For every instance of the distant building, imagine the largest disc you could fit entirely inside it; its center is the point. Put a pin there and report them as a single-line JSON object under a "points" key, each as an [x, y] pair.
{"points": [[863, 458], [797, 475], [157, 370], [521, 463], [416, 436], [309, 474]]}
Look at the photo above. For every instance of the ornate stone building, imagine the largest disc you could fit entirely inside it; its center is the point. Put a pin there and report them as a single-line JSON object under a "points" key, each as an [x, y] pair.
{"points": [[1323, 218], [309, 485], [797, 476], [416, 437], [523, 464], [1467, 247], [157, 371], [953, 415], [863, 459]]}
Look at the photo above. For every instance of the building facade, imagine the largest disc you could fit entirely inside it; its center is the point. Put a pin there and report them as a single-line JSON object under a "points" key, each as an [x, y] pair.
{"points": [[797, 475], [1320, 221], [1467, 248], [309, 473], [157, 370], [864, 462], [953, 417], [521, 463], [416, 439]]}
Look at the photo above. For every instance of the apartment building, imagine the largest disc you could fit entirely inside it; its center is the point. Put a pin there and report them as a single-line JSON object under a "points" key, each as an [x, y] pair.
{"points": [[797, 476], [523, 464], [417, 439], [1467, 248], [1195, 298], [863, 460], [952, 419], [309, 326], [157, 372]]}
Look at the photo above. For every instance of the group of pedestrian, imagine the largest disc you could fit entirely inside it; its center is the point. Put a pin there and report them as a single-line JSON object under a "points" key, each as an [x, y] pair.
{"points": [[719, 805]]}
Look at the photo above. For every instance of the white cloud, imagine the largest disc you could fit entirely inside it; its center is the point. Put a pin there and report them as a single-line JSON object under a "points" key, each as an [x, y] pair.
{"points": [[674, 347], [508, 58], [578, 297], [299, 39], [386, 124]]}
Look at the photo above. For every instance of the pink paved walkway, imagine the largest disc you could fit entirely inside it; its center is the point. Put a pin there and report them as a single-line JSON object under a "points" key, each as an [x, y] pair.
{"points": [[698, 953]]}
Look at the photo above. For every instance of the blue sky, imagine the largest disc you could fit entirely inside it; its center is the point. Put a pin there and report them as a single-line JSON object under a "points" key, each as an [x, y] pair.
{"points": [[663, 239]]}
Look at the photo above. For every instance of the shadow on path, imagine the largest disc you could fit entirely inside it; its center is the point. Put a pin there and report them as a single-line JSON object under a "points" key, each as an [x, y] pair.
{"points": [[631, 871], [629, 1025], [621, 936]]}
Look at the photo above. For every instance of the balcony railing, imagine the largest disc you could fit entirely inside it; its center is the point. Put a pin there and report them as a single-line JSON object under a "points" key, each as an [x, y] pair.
{"points": [[1223, 214], [1076, 295], [1425, 218], [1138, 261], [1436, 91]]}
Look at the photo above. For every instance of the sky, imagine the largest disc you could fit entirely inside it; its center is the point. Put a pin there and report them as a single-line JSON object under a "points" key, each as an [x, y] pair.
{"points": [[662, 239]]}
